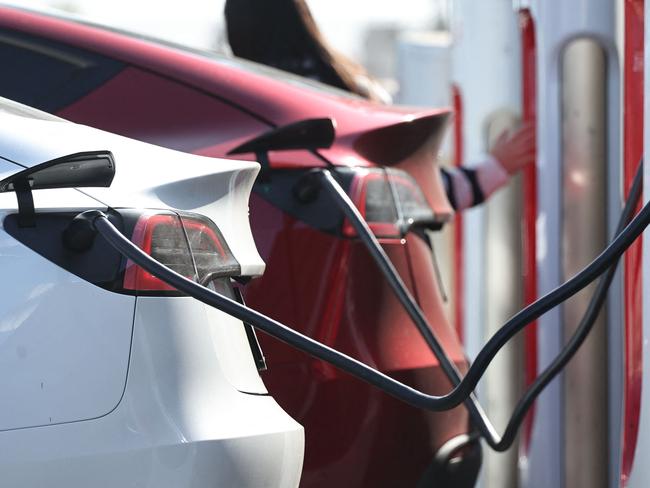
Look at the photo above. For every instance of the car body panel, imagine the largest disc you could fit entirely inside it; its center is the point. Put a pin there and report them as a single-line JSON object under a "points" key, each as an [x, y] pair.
{"points": [[44, 315], [354, 432], [197, 122], [353, 293], [373, 449], [179, 425]]}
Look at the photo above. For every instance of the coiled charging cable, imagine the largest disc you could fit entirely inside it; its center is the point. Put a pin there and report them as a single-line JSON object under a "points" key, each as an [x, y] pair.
{"points": [[464, 387]]}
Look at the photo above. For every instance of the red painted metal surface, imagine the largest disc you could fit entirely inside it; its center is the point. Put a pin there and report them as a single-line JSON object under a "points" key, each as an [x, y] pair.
{"points": [[633, 149], [184, 121], [458, 265], [324, 286], [353, 434], [529, 217], [330, 288]]}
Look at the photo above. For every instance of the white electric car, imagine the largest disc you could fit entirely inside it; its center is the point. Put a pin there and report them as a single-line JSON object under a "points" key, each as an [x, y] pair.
{"points": [[108, 376]]}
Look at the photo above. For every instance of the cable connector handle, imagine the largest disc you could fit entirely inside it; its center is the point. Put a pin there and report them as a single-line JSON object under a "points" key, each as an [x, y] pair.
{"points": [[80, 234]]}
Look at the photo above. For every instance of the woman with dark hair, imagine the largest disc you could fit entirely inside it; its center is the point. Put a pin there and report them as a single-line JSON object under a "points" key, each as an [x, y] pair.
{"points": [[283, 34]]}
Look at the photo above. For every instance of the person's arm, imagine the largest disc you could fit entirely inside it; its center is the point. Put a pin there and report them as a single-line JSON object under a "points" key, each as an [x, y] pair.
{"points": [[467, 187], [470, 186]]}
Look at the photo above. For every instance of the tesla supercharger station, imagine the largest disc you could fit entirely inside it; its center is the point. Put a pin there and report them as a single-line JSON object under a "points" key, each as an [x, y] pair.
{"points": [[577, 429], [563, 66], [639, 472], [576, 434]]}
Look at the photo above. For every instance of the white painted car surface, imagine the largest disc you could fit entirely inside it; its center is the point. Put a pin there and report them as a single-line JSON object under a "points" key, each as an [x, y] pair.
{"points": [[104, 389]]}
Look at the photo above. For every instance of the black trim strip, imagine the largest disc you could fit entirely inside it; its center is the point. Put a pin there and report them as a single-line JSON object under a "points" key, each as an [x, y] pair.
{"points": [[26, 212], [477, 194]]}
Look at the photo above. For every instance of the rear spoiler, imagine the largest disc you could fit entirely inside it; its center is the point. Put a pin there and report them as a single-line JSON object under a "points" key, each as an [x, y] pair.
{"points": [[82, 169], [392, 144], [309, 134], [412, 145]]}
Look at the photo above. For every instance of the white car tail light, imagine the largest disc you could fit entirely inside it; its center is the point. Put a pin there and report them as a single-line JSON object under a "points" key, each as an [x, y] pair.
{"points": [[211, 254], [190, 245]]}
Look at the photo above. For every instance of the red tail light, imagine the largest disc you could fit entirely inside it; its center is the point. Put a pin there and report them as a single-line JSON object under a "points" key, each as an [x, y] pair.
{"points": [[189, 244], [390, 200]]}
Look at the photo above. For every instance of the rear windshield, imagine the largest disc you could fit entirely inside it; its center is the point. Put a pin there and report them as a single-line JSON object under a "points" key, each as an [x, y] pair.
{"points": [[285, 76], [246, 65], [222, 58]]}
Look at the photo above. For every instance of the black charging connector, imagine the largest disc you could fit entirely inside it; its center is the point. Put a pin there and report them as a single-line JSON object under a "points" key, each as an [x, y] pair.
{"points": [[80, 234], [307, 188]]}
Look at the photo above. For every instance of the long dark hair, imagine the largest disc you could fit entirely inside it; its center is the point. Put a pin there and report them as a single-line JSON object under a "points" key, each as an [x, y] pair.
{"points": [[283, 34]]}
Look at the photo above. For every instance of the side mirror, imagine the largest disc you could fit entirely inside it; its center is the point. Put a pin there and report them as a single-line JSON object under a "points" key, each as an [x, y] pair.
{"points": [[83, 169]]}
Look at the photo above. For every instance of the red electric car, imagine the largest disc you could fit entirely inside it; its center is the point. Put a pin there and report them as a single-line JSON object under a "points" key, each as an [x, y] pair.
{"points": [[319, 279]]}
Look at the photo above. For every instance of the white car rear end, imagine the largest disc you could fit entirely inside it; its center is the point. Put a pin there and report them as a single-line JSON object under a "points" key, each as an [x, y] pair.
{"points": [[108, 378]]}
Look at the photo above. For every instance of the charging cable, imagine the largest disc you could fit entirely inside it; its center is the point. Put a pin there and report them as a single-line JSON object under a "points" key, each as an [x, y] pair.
{"points": [[465, 386], [463, 389], [582, 331]]}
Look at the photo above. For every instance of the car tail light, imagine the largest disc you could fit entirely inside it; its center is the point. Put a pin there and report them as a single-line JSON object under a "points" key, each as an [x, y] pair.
{"points": [[390, 200], [211, 254], [189, 244]]}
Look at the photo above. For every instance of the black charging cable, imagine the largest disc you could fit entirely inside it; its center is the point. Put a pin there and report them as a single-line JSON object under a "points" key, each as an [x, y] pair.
{"points": [[462, 392], [99, 221], [582, 331], [467, 384]]}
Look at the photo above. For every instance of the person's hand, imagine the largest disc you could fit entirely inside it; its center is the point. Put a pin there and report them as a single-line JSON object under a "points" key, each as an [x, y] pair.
{"points": [[515, 149]]}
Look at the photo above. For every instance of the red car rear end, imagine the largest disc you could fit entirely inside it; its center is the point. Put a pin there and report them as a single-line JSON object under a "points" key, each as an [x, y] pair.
{"points": [[319, 279]]}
